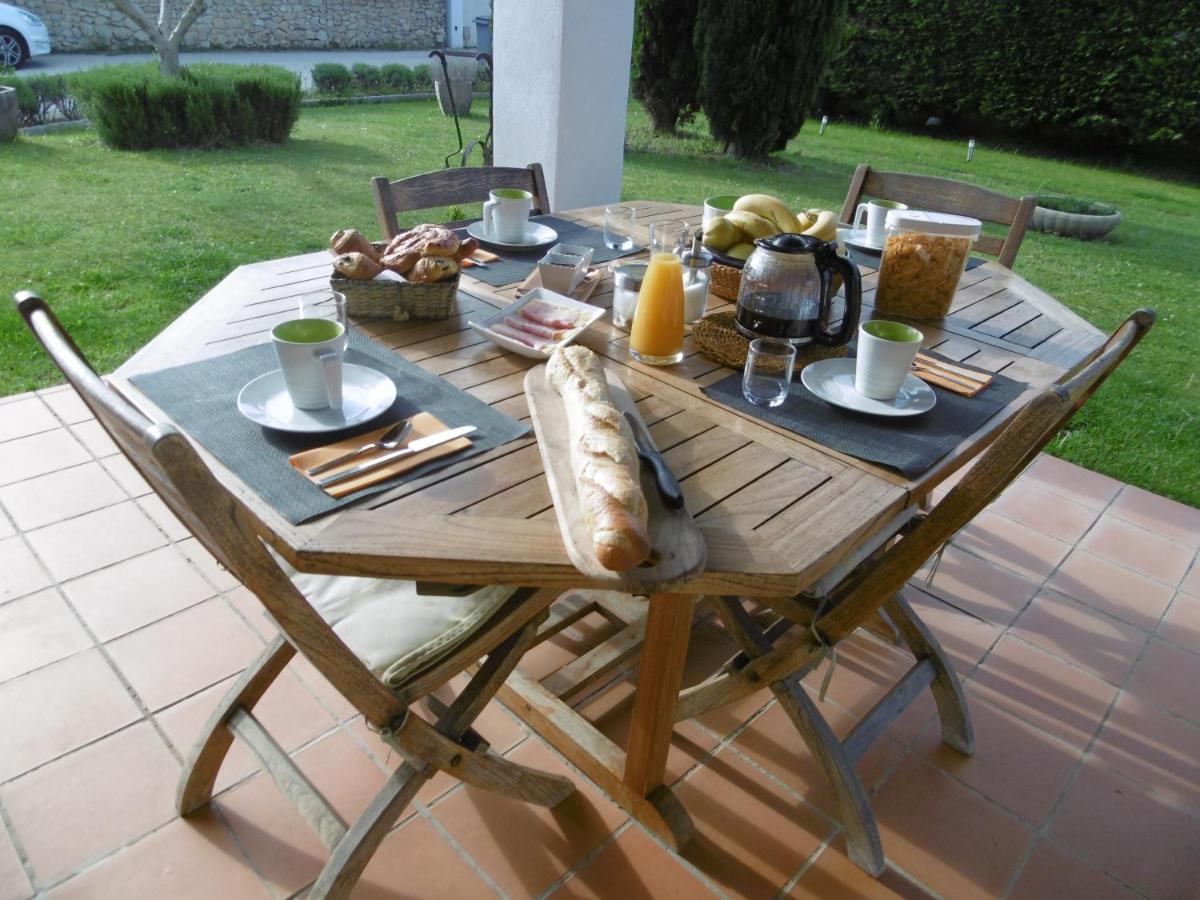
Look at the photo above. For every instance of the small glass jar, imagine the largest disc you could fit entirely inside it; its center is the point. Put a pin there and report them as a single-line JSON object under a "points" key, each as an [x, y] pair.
{"points": [[697, 265], [627, 282], [924, 255]]}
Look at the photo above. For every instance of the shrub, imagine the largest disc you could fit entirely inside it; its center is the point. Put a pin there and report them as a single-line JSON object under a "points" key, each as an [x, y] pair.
{"points": [[1078, 205], [1119, 75], [761, 63], [136, 107], [422, 80], [53, 97], [366, 77], [27, 100], [665, 61], [331, 78], [397, 76]]}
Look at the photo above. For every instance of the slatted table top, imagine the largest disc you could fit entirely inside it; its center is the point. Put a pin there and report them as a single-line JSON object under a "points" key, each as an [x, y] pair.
{"points": [[776, 509]]}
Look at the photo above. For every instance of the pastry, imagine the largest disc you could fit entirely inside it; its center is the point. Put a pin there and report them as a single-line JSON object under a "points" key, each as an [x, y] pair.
{"points": [[401, 260], [433, 268], [350, 240], [604, 460], [358, 266], [465, 249]]}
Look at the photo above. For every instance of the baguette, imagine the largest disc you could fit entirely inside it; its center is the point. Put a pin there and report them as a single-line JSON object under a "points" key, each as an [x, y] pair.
{"points": [[604, 460]]}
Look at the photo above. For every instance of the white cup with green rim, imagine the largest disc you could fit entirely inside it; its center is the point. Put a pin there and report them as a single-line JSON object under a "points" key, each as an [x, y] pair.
{"points": [[886, 351], [506, 215], [717, 206], [310, 351], [875, 212]]}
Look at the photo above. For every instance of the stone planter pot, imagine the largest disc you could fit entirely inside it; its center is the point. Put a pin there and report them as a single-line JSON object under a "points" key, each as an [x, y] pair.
{"points": [[1076, 225], [10, 114], [459, 92]]}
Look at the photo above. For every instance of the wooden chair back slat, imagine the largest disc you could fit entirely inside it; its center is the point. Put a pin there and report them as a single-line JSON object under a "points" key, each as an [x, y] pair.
{"points": [[1016, 447], [948, 196], [450, 187], [215, 516]]}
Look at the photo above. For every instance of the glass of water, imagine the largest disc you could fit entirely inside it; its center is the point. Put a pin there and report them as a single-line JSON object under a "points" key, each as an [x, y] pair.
{"points": [[667, 237], [768, 372], [618, 227]]}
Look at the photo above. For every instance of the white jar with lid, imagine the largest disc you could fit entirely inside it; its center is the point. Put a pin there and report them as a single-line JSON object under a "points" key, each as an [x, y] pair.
{"points": [[924, 255], [627, 282]]}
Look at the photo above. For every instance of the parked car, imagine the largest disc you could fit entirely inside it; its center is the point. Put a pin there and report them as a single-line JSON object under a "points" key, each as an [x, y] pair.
{"points": [[22, 35]]}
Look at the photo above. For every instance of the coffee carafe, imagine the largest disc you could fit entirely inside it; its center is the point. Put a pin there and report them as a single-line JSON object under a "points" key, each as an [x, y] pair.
{"points": [[787, 291]]}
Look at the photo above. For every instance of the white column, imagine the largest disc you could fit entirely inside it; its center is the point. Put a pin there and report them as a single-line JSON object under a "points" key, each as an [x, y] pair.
{"points": [[560, 93]]}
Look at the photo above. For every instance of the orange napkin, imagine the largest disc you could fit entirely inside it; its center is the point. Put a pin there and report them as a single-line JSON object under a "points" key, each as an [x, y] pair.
{"points": [[423, 424]]}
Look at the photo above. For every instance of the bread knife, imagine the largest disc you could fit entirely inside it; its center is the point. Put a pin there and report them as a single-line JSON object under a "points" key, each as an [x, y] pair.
{"points": [[413, 447], [668, 487]]}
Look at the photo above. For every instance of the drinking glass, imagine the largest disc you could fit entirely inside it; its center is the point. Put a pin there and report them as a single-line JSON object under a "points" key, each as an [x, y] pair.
{"points": [[667, 237], [618, 227], [768, 372], [325, 303]]}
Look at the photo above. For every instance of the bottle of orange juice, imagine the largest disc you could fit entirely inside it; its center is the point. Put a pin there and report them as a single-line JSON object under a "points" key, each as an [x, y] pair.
{"points": [[657, 335]]}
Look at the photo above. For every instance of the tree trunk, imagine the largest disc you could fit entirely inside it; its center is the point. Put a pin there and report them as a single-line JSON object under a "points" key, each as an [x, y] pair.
{"points": [[168, 58]]}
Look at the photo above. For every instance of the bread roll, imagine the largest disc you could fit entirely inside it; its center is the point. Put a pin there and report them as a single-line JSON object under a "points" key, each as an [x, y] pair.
{"points": [[401, 260], [465, 249], [604, 460], [428, 240], [350, 240], [433, 268], [358, 266]]}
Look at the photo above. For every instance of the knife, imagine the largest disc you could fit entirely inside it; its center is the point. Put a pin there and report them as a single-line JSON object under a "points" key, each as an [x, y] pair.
{"points": [[668, 487], [413, 447]]}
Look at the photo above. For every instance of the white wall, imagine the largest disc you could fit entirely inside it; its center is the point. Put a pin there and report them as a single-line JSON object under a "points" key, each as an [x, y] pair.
{"points": [[560, 93], [471, 9]]}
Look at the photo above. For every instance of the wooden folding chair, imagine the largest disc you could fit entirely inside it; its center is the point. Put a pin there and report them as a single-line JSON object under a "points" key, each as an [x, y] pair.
{"points": [[948, 196], [804, 630], [449, 187], [382, 645]]}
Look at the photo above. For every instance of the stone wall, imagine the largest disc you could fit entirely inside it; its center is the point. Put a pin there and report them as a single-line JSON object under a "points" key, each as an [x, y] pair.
{"points": [[96, 25]]}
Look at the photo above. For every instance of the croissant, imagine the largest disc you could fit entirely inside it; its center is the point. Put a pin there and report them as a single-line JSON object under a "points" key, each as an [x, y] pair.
{"points": [[465, 249], [401, 260]]}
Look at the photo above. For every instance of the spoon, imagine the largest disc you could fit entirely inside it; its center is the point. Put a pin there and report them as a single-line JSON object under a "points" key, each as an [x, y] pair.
{"points": [[389, 440]]}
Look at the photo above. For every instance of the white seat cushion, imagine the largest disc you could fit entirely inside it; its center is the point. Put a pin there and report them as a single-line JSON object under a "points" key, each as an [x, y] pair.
{"points": [[394, 630]]}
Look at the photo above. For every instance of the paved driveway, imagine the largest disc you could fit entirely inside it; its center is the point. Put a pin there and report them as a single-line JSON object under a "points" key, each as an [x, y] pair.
{"points": [[300, 61]]}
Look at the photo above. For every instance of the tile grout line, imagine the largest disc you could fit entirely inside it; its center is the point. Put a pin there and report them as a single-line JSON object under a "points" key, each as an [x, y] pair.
{"points": [[1043, 832]]}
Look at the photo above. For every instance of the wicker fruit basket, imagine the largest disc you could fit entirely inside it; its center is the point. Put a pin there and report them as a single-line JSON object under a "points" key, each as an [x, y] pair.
{"points": [[385, 298], [718, 338]]}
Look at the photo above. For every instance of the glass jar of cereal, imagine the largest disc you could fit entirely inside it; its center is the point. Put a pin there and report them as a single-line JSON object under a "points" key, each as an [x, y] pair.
{"points": [[924, 254]]}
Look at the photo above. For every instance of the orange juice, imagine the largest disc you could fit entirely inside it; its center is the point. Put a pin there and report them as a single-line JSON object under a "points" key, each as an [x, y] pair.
{"points": [[657, 335]]}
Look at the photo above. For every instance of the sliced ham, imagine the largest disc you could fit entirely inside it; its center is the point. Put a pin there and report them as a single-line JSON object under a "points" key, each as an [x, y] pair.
{"points": [[524, 337], [550, 315], [533, 328]]}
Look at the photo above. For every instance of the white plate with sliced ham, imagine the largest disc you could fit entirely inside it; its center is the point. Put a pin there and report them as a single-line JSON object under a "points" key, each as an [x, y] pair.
{"points": [[538, 324]]}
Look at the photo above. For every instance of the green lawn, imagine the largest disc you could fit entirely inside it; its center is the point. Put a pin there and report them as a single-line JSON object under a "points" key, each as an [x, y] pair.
{"points": [[121, 242]]}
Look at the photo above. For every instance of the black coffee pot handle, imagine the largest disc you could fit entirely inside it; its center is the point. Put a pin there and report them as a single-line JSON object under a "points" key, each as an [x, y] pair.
{"points": [[827, 263]]}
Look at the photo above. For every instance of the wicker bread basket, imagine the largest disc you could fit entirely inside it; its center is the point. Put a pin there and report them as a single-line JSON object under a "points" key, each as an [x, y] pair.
{"points": [[399, 300], [718, 338]]}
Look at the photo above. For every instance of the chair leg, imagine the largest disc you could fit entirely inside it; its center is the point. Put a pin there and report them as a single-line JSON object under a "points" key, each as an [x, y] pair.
{"points": [[946, 688], [204, 762], [355, 850], [854, 809]]}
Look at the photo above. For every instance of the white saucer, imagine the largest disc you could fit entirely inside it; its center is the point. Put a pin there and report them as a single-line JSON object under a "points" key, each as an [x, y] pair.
{"points": [[833, 381], [857, 238], [536, 235], [365, 394]]}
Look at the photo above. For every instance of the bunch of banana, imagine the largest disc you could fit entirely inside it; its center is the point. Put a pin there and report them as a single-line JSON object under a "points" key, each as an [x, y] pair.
{"points": [[761, 215]]}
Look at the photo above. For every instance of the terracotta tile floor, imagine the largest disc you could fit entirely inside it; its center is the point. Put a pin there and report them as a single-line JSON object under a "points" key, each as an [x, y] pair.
{"points": [[1071, 609]]}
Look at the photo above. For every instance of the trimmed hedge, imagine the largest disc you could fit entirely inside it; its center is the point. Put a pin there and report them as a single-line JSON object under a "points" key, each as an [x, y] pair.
{"points": [[1126, 74], [136, 107]]}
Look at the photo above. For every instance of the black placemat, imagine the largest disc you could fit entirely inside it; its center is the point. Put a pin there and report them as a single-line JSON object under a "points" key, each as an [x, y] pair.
{"points": [[515, 265], [910, 445], [202, 398]]}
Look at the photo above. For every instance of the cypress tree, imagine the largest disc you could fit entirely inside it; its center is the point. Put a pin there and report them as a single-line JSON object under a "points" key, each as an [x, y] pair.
{"points": [[761, 63], [665, 61]]}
